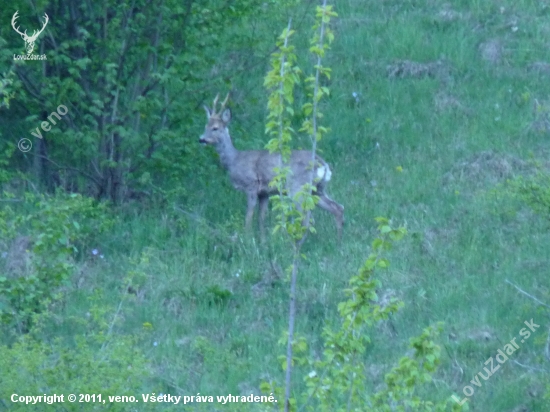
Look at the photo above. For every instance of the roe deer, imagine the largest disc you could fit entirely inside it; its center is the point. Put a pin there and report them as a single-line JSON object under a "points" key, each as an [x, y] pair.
{"points": [[251, 171]]}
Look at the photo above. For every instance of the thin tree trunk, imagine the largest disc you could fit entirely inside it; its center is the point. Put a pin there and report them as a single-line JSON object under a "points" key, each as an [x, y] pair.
{"points": [[291, 323]]}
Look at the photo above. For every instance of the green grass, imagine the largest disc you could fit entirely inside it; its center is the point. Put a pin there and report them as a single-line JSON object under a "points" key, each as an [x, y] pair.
{"points": [[217, 300]]}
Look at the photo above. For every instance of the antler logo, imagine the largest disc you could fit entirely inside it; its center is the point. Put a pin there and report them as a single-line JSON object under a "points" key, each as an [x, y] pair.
{"points": [[29, 40]]}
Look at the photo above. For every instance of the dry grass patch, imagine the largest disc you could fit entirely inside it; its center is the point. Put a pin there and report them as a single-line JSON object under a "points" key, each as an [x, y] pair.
{"points": [[487, 167], [541, 68], [491, 51], [444, 101], [417, 70]]}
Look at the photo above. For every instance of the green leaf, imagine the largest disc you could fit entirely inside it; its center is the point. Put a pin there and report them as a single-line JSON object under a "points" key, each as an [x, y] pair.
{"points": [[385, 229]]}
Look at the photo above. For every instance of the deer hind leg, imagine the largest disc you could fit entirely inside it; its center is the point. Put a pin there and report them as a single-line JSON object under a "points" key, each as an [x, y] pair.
{"points": [[264, 202], [252, 199], [336, 209]]}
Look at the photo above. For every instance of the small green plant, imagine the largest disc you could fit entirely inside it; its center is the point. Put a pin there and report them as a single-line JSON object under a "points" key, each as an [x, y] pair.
{"points": [[533, 191], [53, 230], [337, 381], [93, 361]]}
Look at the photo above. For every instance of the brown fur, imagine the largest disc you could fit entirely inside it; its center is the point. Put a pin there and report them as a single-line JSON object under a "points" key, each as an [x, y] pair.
{"points": [[251, 171]]}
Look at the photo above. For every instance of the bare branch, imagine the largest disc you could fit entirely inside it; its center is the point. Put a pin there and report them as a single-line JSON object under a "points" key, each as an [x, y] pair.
{"points": [[83, 173], [530, 367], [527, 294]]}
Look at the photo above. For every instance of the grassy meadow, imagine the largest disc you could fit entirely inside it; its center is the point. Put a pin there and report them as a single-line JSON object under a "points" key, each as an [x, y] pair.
{"points": [[452, 103]]}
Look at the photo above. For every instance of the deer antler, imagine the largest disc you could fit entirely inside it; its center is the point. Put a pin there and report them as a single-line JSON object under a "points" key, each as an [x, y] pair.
{"points": [[214, 103], [14, 18], [222, 105], [224, 102]]}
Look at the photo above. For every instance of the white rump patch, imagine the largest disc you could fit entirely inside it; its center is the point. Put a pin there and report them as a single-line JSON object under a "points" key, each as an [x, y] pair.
{"points": [[324, 173]]}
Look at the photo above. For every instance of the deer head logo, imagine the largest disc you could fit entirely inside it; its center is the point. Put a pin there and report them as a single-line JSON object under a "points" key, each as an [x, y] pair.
{"points": [[29, 40]]}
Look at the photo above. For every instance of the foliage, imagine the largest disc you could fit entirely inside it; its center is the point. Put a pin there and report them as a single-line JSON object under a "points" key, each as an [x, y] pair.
{"points": [[55, 227], [533, 191], [6, 92], [6, 148], [337, 381], [281, 81], [322, 38], [294, 209], [6, 175], [127, 73], [418, 91], [93, 361]]}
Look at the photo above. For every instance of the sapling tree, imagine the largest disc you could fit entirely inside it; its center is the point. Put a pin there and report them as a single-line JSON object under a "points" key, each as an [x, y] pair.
{"points": [[294, 213], [336, 380]]}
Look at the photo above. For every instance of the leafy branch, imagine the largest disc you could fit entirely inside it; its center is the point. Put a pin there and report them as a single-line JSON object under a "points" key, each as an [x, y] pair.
{"points": [[294, 212]]}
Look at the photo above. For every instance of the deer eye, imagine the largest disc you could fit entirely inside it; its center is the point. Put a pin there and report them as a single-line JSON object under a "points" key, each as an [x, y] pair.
{"points": [[214, 128]]}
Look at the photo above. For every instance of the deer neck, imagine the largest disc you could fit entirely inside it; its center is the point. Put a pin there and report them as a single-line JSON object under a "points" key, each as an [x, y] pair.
{"points": [[227, 152]]}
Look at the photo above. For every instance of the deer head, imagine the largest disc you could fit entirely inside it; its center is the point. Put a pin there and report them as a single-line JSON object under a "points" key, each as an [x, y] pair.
{"points": [[216, 127], [29, 40]]}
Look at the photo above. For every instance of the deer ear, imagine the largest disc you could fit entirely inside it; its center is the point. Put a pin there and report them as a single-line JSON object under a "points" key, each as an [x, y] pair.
{"points": [[208, 112], [226, 115]]}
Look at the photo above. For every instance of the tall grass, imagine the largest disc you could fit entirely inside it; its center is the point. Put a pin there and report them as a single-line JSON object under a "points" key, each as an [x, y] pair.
{"points": [[214, 301]]}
